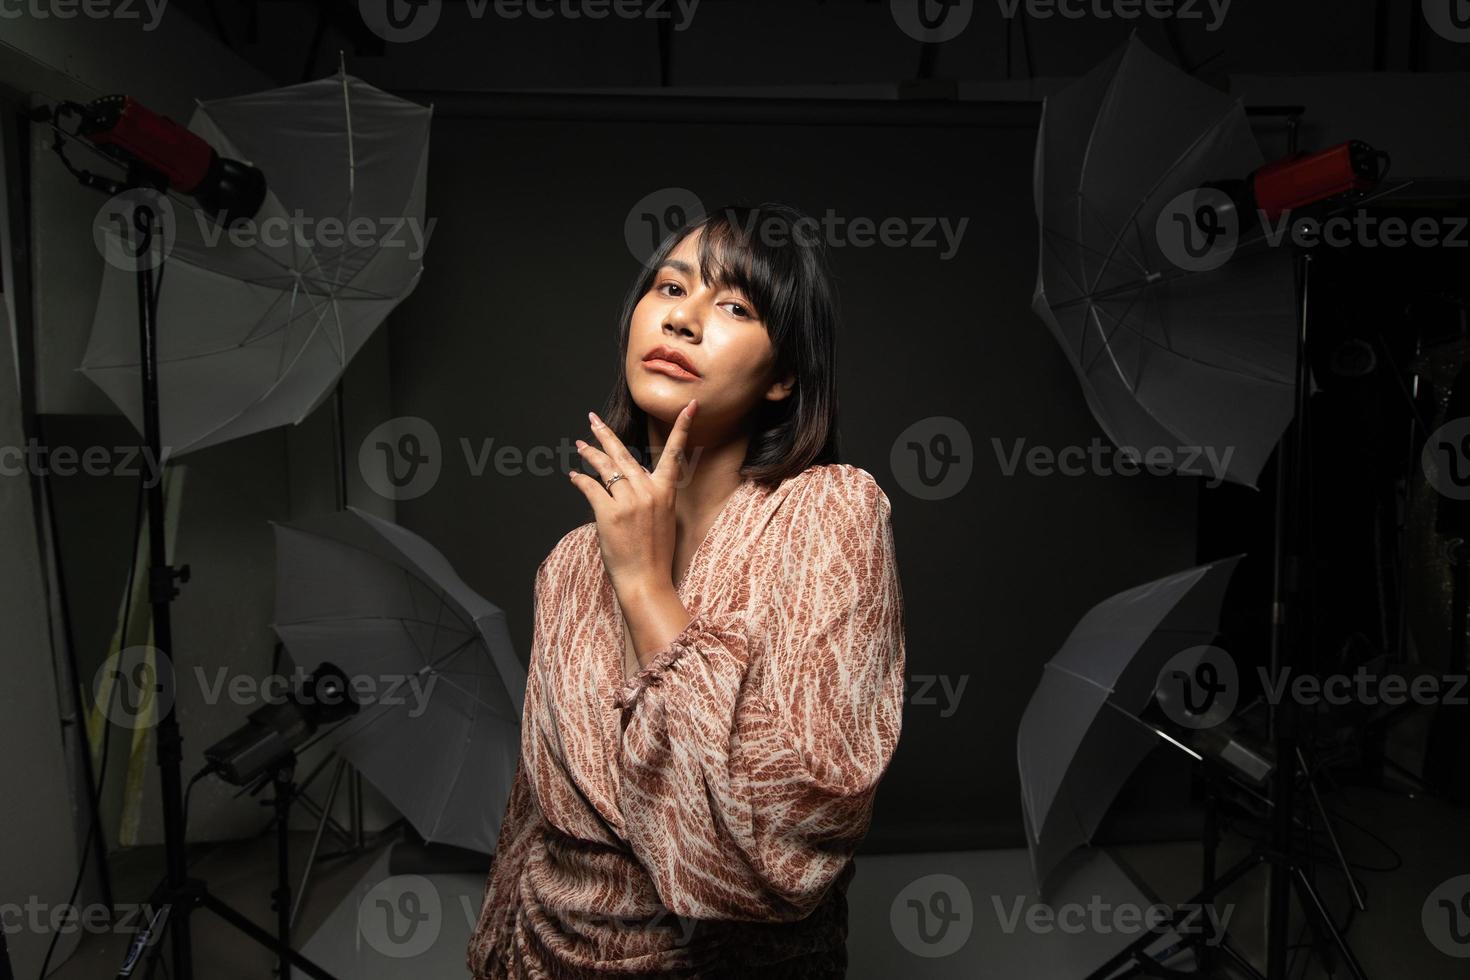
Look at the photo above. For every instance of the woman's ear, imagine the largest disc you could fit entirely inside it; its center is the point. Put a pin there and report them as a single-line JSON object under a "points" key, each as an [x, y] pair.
{"points": [[781, 390]]}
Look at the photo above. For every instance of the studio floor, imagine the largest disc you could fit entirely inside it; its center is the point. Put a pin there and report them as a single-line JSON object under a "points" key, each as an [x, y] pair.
{"points": [[985, 927]]}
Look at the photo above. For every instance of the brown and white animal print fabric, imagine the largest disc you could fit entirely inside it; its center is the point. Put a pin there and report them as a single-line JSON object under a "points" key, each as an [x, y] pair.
{"points": [[699, 819]]}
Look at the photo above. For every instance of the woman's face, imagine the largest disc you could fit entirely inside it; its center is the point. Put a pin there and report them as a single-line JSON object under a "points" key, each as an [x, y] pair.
{"points": [[718, 332]]}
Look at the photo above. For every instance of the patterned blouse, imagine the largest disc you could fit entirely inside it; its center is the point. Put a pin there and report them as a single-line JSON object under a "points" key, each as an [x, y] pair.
{"points": [[699, 818]]}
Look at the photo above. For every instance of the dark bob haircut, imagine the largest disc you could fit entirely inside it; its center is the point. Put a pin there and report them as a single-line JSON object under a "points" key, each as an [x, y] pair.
{"points": [[781, 267]]}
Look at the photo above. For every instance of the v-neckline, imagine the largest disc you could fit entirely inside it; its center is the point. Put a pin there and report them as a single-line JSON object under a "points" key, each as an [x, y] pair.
{"points": [[617, 657]]}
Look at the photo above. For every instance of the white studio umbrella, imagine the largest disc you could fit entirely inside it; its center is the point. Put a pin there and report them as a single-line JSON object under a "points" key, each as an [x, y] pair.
{"points": [[1166, 357], [257, 322], [1080, 736], [440, 735]]}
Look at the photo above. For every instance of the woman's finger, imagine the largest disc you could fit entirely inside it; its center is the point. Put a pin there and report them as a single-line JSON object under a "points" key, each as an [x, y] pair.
{"points": [[668, 462], [592, 489], [620, 459], [599, 460]]}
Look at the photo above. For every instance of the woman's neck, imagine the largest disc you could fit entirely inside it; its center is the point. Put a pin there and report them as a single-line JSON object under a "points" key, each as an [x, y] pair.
{"points": [[708, 476]]}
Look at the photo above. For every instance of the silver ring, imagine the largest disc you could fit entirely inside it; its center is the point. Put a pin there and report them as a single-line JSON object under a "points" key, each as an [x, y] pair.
{"points": [[613, 479]]}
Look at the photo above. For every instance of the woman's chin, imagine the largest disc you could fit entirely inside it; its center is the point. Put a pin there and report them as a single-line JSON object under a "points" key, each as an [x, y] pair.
{"points": [[664, 404]]}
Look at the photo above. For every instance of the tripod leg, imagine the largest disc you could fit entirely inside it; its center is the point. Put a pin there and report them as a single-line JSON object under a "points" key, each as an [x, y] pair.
{"points": [[1331, 833], [1312, 905], [1137, 951], [258, 934], [1227, 945], [155, 955], [149, 938], [316, 842], [281, 897]]}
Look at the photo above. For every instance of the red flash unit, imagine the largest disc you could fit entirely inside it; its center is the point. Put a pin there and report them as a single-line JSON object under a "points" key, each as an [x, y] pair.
{"points": [[1311, 177]]}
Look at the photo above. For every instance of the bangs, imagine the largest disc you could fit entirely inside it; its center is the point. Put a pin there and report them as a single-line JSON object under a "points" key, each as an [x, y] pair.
{"points": [[754, 252]]}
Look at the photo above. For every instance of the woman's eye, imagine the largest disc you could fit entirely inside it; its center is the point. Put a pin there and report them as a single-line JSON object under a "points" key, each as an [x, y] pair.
{"points": [[739, 310], [670, 285]]}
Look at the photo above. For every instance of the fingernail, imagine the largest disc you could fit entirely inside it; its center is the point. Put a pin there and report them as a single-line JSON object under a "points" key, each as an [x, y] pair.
{"points": [[592, 417]]}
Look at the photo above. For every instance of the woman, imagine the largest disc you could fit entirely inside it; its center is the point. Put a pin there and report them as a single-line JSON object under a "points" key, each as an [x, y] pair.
{"points": [[717, 665]]}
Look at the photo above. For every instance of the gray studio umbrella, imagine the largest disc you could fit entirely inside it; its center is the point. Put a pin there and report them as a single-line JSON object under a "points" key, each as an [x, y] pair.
{"points": [[439, 734], [1080, 736], [256, 327], [1170, 351]]}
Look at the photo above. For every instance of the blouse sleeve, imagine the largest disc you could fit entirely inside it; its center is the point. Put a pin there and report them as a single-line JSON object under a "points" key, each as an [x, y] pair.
{"points": [[492, 936], [745, 800]]}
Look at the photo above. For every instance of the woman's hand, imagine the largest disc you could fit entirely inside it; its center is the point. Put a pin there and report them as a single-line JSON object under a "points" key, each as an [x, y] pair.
{"points": [[635, 520]]}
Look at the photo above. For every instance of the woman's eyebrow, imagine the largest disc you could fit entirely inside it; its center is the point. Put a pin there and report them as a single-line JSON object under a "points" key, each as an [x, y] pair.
{"points": [[678, 265]]}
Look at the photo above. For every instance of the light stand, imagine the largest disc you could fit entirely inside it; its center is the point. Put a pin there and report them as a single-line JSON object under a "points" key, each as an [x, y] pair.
{"points": [[180, 894], [1288, 870]]}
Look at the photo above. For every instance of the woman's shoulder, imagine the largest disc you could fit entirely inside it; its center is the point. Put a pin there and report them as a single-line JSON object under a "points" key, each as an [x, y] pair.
{"points": [[837, 486], [571, 551]]}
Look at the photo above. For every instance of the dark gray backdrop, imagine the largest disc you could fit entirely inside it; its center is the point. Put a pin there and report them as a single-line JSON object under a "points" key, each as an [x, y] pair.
{"points": [[511, 337]]}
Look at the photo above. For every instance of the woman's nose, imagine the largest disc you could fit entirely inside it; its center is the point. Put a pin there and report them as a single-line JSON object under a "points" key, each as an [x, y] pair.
{"points": [[684, 318]]}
